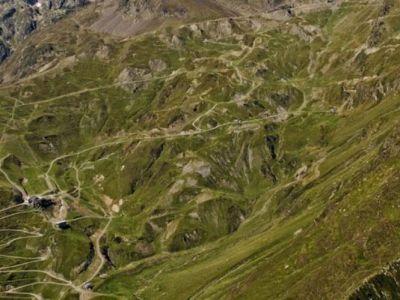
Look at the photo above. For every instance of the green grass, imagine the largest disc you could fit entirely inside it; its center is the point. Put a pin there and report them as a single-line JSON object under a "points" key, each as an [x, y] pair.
{"points": [[221, 216]]}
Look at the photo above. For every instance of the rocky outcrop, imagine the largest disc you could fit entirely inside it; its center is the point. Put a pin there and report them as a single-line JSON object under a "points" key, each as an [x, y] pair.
{"points": [[41, 203], [4, 51], [384, 285], [272, 143], [145, 9], [19, 18], [131, 79], [89, 259], [65, 4], [390, 147]]}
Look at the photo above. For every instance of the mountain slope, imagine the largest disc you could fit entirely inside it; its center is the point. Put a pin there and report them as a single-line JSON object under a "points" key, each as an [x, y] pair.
{"points": [[248, 156], [19, 18], [127, 18]]}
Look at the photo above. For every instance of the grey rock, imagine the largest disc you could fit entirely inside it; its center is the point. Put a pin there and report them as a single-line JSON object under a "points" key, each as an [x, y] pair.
{"points": [[4, 51], [157, 65], [19, 18]]}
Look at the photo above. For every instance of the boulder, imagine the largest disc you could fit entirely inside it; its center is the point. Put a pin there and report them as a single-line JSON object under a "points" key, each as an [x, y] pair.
{"points": [[157, 65]]}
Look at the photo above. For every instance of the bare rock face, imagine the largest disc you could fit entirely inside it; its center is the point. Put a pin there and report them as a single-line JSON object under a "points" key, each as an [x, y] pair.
{"points": [[384, 285], [65, 4], [147, 9], [131, 79], [4, 51], [131, 74], [139, 8], [19, 18], [103, 52]]}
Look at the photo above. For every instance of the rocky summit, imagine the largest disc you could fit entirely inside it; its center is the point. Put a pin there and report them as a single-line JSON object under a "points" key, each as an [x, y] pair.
{"points": [[199, 149]]}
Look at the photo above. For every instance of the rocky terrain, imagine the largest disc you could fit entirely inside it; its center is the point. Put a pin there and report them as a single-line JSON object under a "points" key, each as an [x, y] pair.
{"points": [[200, 150], [384, 285], [19, 18]]}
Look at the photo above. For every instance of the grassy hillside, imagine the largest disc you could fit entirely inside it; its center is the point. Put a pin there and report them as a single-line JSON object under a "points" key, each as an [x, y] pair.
{"points": [[249, 157]]}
